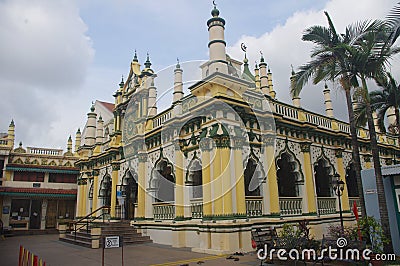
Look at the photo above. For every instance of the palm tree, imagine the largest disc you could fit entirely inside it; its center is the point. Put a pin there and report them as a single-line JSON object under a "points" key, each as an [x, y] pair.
{"points": [[369, 57], [381, 101], [329, 62]]}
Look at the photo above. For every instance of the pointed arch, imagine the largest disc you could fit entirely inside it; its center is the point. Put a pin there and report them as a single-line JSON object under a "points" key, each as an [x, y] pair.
{"points": [[254, 175], [194, 177], [129, 188], [162, 180], [289, 174], [324, 171], [105, 190], [351, 180]]}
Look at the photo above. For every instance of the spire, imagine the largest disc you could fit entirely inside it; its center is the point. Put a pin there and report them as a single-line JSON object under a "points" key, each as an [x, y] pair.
{"points": [[121, 84], [147, 64], [328, 101], [262, 57], [11, 134], [178, 83], [92, 108], [257, 75], [272, 93], [90, 137], [263, 75], [77, 139], [295, 98], [69, 145], [215, 11], [12, 123], [247, 75], [135, 59], [177, 63]]}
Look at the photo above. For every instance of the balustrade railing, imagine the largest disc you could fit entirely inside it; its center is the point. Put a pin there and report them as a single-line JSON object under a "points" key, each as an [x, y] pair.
{"points": [[286, 111], [319, 120], [326, 205], [253, 206], [44, 151], [159, 119], [196, 207], [291, 206], [163, 211]]}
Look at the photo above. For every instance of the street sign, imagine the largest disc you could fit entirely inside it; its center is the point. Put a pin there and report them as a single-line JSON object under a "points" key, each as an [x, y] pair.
{"points": [[111, 242]]}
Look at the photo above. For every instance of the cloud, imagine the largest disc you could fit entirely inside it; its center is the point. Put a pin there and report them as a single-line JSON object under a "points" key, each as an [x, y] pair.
{"points": [[283, 47], [45, 55], [43, 44]]}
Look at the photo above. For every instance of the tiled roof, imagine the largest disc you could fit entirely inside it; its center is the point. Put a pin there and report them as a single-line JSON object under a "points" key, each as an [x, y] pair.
{"points": [[38, 192], [109, 106]]}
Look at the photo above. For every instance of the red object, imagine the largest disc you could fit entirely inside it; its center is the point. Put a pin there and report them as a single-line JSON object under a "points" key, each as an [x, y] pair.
{"points": [[21, 255], [35, 261], [253, 244], [355, 210]]}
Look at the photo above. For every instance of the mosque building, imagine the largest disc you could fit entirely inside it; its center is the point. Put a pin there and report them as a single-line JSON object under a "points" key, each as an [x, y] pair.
{"points": [[220, 161]]}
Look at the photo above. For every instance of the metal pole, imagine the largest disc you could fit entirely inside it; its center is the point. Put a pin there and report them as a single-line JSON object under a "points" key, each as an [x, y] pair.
{"points": [[340, 211], [102, 257], [122, 248]]}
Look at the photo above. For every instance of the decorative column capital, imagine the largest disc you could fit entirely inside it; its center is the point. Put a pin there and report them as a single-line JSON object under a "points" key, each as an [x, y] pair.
{"points": [[115, 166], [95, 172], [305, 146], [339, 153], [142, 157], [205, 144]]}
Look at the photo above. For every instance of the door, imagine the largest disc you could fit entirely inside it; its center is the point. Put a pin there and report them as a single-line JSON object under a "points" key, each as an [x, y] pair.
{"points": [[51, 214], [36, 209]]}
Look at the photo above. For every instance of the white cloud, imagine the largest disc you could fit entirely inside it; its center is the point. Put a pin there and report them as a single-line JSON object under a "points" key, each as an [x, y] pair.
{"points": [[283, 46], [44, 54]]}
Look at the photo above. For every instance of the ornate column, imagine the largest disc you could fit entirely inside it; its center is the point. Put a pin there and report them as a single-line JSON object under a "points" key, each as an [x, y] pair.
{"points": [[309, 179], [216, 180], [79, 198], [142, 186], [179, 201], [367, 159], [269, 151], [85, 195], [95, 174], [342, 173], [239, 176], [205, 146], [114, 181], [226, 178]]}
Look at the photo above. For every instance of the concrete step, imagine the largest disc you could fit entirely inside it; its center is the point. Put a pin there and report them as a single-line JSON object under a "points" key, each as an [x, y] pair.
{"points": [[77, 242]]}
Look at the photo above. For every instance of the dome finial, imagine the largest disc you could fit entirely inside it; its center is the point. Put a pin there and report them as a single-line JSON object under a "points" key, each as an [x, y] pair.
{"points": [[293, 73], [147, 64], [215, 11], [121, 84], [135, 57], [177, 63], [262, 57], [92, 108]]}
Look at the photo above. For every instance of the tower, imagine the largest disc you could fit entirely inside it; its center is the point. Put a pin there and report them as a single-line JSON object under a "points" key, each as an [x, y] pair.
{"points": [[11, 134], [178, 84], [90, 137]]}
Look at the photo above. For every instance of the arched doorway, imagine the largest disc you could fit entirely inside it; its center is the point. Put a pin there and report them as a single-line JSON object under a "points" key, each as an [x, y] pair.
{"points": [[194, 178], [351, 181], [105, 190], [129, 191], [323, 172], [253, 174], [163, 181]]}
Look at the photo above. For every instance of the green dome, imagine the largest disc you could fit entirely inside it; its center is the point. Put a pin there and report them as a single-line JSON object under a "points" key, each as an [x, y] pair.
{"points": [[215, 12]]}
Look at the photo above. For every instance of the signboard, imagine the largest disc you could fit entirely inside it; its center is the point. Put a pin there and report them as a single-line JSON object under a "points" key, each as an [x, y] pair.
{"points": [[119, 194], [36, 184], [111, 242]]}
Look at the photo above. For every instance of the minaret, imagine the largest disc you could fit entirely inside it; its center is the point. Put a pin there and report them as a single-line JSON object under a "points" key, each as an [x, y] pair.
{"points": [[263, 76], [11, 134], [272, 93], [152, 97], [328, 102], [217, 44], [77, 139], [99, 130], [69, 145], [376, 124], [257, 76], [90, 137], [135, 64], [295, 98], [178, 83]]}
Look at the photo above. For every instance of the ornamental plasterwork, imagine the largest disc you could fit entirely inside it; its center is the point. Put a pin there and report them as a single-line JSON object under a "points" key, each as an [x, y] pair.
{"points": [[280, 145], [315, 153], [347, 157], [382, 161], [295, 148], [363, 162], [330, 155]]}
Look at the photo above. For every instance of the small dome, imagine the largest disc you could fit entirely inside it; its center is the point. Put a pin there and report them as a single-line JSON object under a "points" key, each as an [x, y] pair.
{"points": [[215, 12]]}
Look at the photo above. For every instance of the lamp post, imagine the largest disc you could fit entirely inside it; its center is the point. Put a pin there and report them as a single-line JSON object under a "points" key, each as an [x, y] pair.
{"points": [[338, 187]]}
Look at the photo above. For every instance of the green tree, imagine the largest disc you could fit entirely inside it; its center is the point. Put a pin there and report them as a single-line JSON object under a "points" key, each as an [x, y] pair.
{"points": [[329, 62]]}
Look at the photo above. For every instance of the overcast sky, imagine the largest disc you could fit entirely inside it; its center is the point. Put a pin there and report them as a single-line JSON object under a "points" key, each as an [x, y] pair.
{"points": [[57, 56]]}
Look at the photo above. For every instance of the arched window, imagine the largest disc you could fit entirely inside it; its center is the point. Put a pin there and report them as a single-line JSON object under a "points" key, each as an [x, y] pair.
{"points": [[105, 190], [323, 178], [287, 175], [163, 181], [253, 175], [195, 178], [351, 181]]}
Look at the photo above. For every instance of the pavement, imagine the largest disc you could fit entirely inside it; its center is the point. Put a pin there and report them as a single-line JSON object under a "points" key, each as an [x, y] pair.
{"points": [[57, 253]]}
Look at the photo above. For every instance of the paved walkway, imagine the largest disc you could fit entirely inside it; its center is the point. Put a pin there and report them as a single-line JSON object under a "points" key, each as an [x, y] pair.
{"points": [[57, 253]]}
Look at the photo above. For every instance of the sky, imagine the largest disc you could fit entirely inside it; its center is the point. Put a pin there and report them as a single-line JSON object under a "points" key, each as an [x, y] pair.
{"points": [[57, 56]]}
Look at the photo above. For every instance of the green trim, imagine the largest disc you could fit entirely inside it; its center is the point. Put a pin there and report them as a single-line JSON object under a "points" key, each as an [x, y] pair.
{"points": [[310, 214], [271, 215], [216, 41], [43, 195], [215, 19], [41, 170]]}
